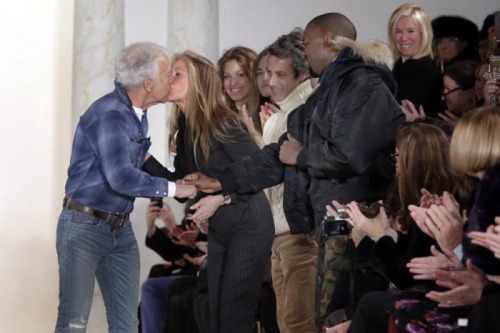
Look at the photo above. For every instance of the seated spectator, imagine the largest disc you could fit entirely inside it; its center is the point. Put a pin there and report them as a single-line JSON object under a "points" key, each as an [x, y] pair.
{"points": [[458, 90], [393, 238], [474, 150], [172, 243], [455, 38]]}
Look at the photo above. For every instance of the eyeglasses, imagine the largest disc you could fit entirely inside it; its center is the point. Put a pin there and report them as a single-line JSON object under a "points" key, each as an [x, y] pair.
{"points": [[446, 93], [394, 156], [445, 40]]}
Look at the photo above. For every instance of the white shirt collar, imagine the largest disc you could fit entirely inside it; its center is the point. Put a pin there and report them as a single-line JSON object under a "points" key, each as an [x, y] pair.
{"points": [[138, 112]]}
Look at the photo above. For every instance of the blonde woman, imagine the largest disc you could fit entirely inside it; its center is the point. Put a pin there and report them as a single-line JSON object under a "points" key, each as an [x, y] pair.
{"points": [[209, 137], [418, 78]]}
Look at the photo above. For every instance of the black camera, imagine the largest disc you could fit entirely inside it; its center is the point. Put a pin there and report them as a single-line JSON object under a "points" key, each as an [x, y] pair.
{"points": [[335, 225], [158, 202]]}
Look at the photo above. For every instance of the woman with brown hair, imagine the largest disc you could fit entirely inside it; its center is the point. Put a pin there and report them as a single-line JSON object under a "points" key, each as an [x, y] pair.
{"points": [[236, 70], [210, 136]]}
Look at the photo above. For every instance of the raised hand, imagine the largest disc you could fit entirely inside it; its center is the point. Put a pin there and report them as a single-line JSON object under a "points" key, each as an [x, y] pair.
{"points": [[423, 267], [489, 239], [449, 118], [410, 111], [266, 111], [187, 237], [246, 118], [427, 199], [167, 216], [466, 286]]}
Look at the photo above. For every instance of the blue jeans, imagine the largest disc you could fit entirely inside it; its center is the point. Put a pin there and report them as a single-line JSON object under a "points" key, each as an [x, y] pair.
{"points": [[87, 250], [155, 301]]}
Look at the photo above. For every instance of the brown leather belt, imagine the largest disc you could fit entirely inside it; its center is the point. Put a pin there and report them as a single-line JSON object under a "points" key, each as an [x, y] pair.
{"points": [[114, 219]]}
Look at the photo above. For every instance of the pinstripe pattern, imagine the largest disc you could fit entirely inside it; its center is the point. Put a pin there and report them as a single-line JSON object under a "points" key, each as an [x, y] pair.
{"points": [[239, 247]]}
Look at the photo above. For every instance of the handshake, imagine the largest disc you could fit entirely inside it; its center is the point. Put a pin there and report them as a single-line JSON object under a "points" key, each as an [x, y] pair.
{"points": [[194, 182]]}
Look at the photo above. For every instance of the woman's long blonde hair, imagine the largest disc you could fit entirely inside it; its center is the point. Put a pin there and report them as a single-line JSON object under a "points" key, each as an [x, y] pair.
{"points": [[208, 117], [475, 144]]}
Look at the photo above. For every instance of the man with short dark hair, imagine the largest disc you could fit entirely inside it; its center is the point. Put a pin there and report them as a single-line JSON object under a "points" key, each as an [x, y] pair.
{"points": [[294, 251], [352, 130]]}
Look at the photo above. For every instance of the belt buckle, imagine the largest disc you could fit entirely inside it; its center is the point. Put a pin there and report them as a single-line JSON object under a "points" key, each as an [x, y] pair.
{"points": [[117, 221]]}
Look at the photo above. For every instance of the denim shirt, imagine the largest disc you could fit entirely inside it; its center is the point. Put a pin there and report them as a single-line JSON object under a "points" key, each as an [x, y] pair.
{"points": [[108, 151]]}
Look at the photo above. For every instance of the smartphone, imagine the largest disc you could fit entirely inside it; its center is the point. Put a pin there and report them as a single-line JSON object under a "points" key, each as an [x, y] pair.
{"points": [[158, 202], [453, 268]]}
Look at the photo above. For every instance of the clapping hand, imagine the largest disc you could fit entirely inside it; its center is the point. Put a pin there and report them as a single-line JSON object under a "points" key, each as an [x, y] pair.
{"points": [[489, 239], [410, 111], [246, 117], [423, 267], [466, 286], [266, 111], [449, 118]]}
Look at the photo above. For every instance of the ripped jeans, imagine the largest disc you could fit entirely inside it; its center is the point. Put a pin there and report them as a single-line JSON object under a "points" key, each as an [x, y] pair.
{"points": [[87, 250]]}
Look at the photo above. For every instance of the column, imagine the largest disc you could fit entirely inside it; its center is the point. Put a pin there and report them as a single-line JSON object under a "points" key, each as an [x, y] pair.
{"points": [[193, 25], [98, 38]]}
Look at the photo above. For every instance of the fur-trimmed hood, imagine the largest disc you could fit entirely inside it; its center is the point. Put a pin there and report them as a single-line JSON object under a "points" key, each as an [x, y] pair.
{"points": [[372, 52], [375, 56]]}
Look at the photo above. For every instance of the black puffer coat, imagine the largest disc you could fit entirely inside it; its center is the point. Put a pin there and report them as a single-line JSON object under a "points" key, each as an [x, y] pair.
{"points": [[353, 127]]}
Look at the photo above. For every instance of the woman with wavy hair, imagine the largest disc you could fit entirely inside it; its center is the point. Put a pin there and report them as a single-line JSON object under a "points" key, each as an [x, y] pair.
{"points": [[237, 72], [210, 136]]}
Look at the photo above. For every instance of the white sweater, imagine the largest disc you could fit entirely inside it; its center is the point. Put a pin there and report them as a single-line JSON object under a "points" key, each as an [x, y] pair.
{"points": [[274, 127]]}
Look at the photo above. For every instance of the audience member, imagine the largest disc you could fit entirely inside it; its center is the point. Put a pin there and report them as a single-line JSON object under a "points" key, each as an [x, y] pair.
{"points": [[392, 237], [266, 106], [240, 230], [237, 75], [410, 39], [172, 243], [353, 107], [95, 239], [455, 38], [293, 254], [474, 150], [459, 80], [489, 37]]}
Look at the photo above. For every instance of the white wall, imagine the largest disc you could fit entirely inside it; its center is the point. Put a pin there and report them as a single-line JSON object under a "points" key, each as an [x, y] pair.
{"points": [[35, 97], [260, 23], [35, 131]]}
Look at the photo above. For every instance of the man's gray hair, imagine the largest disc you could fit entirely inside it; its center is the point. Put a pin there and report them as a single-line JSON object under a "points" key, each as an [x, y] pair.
{"points": [[137, 61], [291, 45]]}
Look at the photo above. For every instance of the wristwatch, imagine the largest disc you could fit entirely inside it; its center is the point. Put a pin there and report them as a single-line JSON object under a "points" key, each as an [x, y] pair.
{"points": [[227, 199]]}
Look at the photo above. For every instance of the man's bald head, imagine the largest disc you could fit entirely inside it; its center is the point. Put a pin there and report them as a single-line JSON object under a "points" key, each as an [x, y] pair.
{"points": [[334, 24]]}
